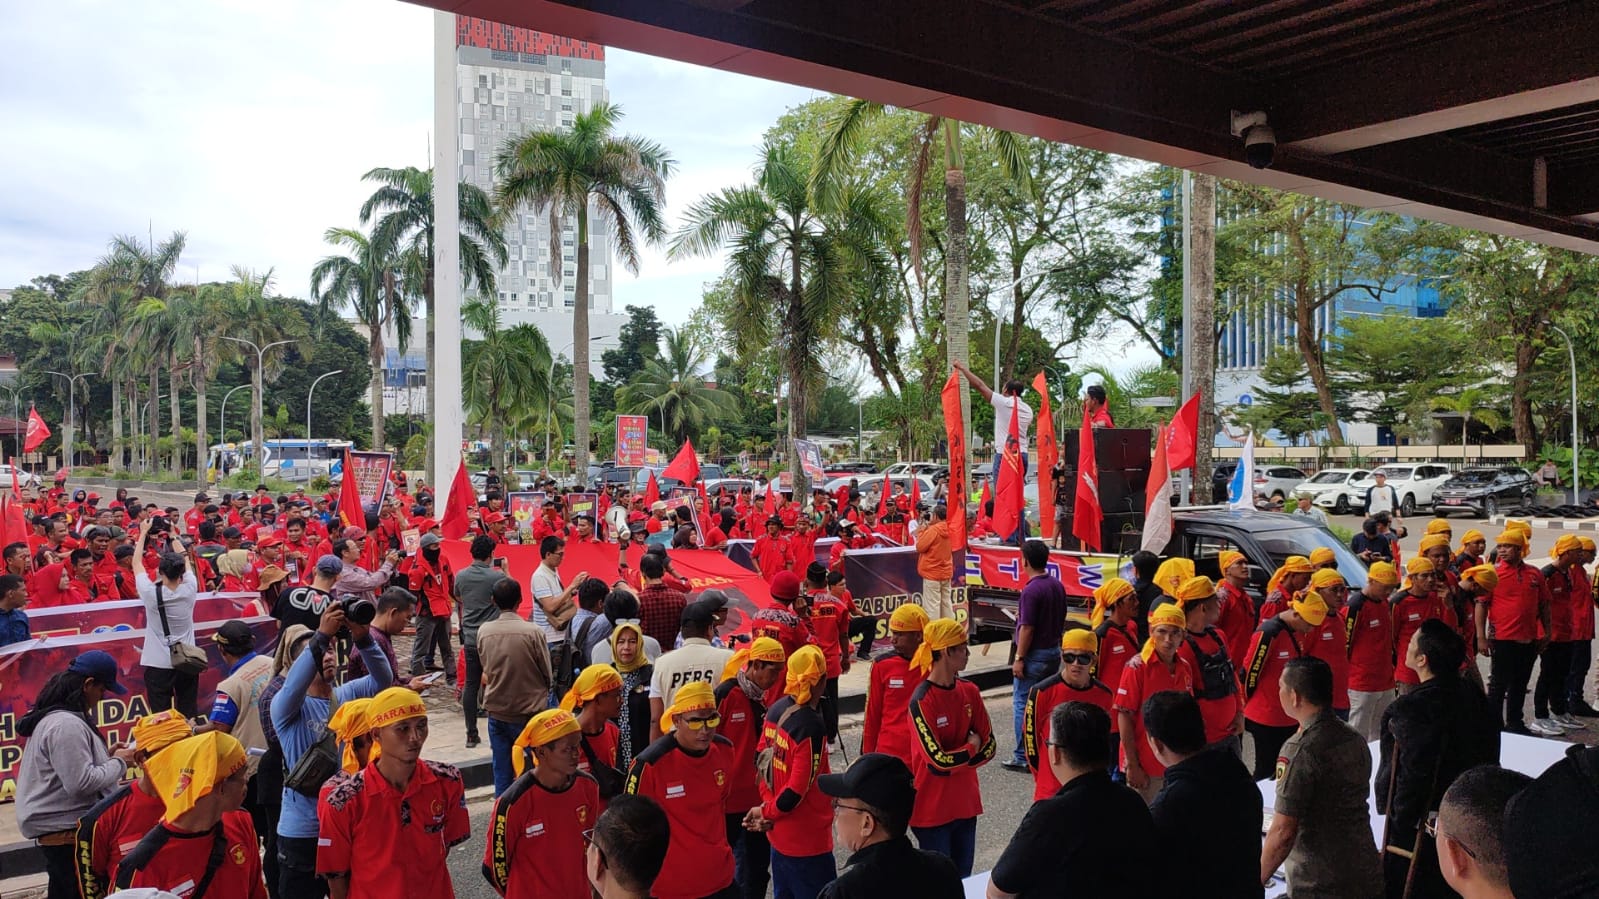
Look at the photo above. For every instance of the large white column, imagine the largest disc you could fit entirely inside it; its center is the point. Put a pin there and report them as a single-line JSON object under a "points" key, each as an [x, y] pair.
{"points": [[447, 416]]}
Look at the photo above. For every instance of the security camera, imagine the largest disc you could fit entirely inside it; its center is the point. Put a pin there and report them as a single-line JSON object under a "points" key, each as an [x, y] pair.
{"points": [[1260, 142]]}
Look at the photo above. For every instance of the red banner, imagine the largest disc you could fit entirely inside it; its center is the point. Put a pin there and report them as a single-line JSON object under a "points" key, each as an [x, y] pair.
{"points": [[1048, 455], [632, 432], [371, 472], [955, 434], [128, 614], [992, 565]]}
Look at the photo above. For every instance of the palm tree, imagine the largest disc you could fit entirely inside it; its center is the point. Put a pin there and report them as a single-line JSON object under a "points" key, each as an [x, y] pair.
{"points": [[792, 267], [563, 173], [505, 371], [400, 212], [261, 320], [671, 391], [1470, 403], [369, 284]]}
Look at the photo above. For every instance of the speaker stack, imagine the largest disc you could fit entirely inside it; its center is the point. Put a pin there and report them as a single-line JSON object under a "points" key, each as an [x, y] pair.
{"points": [[1122, 456]]}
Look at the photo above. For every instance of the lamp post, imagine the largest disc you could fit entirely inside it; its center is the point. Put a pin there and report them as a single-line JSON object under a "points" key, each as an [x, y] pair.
{"points": [[15, 411], [1571, 349], [72, 408], [223, 430], [996, 385], [145, 461], [260, 365], [308, 395]]}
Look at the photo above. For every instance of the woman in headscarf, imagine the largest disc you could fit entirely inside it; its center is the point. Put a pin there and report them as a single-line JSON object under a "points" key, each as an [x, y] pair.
{"points": [[633, 718], [233, 565]]}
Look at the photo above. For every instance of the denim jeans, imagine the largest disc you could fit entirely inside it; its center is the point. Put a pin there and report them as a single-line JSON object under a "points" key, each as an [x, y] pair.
{"points": [[1039, 664], [802, 877], [752, 858], [502, 736], [957, 840]]}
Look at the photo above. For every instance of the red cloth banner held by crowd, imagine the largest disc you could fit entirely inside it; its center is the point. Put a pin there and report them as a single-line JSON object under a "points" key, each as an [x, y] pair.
{"points": [[685, 465], [1182, 438], [1008, 501], [38, 431], [1087, 517], [1048, 456], [458, 506], [955, 435]]}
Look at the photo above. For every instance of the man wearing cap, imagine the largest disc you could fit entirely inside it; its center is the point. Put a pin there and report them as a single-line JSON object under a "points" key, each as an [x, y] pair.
{"points": [[1582, 633], [1564, 585], [789, 622], [118, 822], [771, 553], [388, 830], [536, 836], [1066, 844], [688, 772], [1073, 682], [953, 739], [1516, 609], [741, 704], [306, 605], [872, 805], [201, 782], [432, 579], [893, 680], [1321, 824], [696, 661], [1114, 620], [1368, 642], [792, 812], [1238, 618], [1277, 642], [1289, 580], [1381, 496], [1160, 667]]}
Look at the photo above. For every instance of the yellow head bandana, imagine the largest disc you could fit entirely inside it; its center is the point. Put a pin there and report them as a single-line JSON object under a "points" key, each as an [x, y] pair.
{"points": [[1512, 537], [545, 727], [1321, 555], [1107, 595], [350, 720], [1440, 526], [1382, 573], [907, 618], [1080, 639], [698, 696], [1516, 524], [394, 705], [1168, 613], [1291, 565], [1473, 536], [1172, 574], [763, 649], [591, 682], [1565, 544], [807, 667], [1483, 576], [157, 731], [1326, 577], [639, 661], [1432, 541], [1228, 558], [1587, 544], [190, 769], [940, 633], [1419, 565], [1196, 589], [1311, 607]]}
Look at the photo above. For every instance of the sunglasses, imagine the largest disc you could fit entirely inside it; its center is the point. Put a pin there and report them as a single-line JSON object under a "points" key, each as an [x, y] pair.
{"points": [[1077, 658], [702, 723]]}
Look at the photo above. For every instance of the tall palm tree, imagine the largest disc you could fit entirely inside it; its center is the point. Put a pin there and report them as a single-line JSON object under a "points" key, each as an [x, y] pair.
{"points": [[670, 390], [196, 318], [792, 266], [368, 283], [505, 372], [400, 212], [563, 173]]}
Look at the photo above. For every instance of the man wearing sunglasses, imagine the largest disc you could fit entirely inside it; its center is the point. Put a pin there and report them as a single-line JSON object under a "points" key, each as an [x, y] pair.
{"points": [[872, 804], [1074, 682]]}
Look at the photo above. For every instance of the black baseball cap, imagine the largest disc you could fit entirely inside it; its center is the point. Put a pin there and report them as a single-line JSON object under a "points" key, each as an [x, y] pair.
{"points": [[236, 636], [881, 781], [701, 612], [100, 665]]}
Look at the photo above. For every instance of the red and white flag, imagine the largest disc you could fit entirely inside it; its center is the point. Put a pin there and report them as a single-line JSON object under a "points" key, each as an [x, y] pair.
{"points": [[1157, 512]]}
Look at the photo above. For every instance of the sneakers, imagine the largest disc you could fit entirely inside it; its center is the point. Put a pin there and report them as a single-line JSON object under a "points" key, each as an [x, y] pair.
{"points": [[1566, 721], [1582, 709], [1546, 728]]}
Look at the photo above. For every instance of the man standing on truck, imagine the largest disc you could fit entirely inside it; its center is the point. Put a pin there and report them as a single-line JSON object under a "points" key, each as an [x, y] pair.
{"points": [[1003, 404]]}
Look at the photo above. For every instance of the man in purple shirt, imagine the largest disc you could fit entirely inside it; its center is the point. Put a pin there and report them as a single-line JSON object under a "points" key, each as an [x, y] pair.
{"points": [[1040, 621]]}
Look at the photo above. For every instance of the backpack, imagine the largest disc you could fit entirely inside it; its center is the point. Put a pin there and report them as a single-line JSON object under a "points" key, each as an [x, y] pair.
{"points": [[1217, 679], [768, 753]]}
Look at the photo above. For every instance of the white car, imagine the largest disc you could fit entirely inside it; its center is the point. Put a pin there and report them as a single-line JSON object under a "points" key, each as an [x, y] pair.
{"points": [[1413, 483], [24, 479], [1277, 482], [1334, 489]]}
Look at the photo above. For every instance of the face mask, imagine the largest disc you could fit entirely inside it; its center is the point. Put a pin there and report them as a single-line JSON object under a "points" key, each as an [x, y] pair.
{"points": [[431, 553]]}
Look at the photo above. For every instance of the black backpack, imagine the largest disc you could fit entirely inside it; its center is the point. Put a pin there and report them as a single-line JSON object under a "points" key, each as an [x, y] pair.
{"points": [[1217, 677]]}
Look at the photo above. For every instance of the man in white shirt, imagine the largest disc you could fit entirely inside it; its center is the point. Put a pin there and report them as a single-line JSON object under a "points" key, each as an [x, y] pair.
{"points": [[1380, 497], [553, 603], [695, 660], [1003, 404]]}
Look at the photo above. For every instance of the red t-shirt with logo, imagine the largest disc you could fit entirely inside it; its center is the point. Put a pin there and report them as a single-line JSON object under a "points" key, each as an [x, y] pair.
{"points": [[1513, 604], [1117, 646], [109, 831], [742, 721], [693, 791], [1270, 649], [887, 727], [830, 625], [388, 843], [1410, 610], [1562, 598], [1237, 621], [942, 720], [1218, 714], [1042, 700], [180, 863], [1326, 642], [801, 814], [1142, 682], [535, 840], [1369, 644]]}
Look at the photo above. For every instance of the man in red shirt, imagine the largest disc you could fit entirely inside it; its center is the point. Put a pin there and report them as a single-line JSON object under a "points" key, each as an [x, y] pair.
{"points": [[549, 523], [432, 579], [1369, 644], [1582, 632], [829, 621], [298, 557], [1421, 599], [953, 739], [1292, 577], [535, 843], [1074, 682], [741, 704], [789, 621], [688, 772], [1161, 667], [771, 552], [196, 514], [1238, 619], [1115, 605], [118, 822], [796, 815], [1328, 641], [1216, 684], [887, 725], [1550, 718], [583, 530], [405, 811], [494, 526], [1277, 640]]}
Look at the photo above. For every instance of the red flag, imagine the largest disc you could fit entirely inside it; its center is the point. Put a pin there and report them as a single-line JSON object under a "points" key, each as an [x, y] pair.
{"points": [[685, 466], [982, 502], [882, 498], [38, 431], [652, 493], [705, 507], [1008, 500], [350, 511], [916, 494], [1087, 517], [1157, 511], [1048, 455], [769, 505], [1182, 438], [955, 435], [458, 507]]}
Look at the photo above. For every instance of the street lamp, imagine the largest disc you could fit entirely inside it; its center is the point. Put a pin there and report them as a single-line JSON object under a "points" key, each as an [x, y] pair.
{"points": [[1571, 349], [255, 409], [150, 450], [1002, 291], [15, 411], [223, 434], [308, 394], [72, 408]]}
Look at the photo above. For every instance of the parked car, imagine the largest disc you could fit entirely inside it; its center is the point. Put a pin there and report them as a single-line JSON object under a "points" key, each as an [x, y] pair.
{"points": [[729, 485], [1277, 482], [1415, 484], [25, 479], [1484, 491], [904, 468], [870, 483], [1335, 489], [1220, 477], [838, 469]]}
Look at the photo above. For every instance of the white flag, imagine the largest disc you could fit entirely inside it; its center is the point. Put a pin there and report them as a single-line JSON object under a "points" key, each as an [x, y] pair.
{"points": [[1241, 494]]}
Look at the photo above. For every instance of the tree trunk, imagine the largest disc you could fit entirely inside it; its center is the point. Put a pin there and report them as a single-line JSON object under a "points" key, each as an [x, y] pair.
{"points": [[118, 461], [1202, 281], [797, 350], [257, 439], [130, 395], [152, 461], [580, 349], [957, 302], [1309, 343], [202, 441], [176, 417], [1520, 400], [376, 399]]}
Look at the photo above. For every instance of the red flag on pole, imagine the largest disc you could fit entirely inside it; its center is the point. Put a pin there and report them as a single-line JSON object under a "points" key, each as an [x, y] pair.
{"points": [[916, 494], [458, 506], [882, 498], [955, 435], [350, 511], [1157, 512], [685, 465], [1008, 500], [16, 489], [705, 507], [652, 493], [38, 431], [982, 501], [1087, 517], [1048, 456], [1182, 438]]}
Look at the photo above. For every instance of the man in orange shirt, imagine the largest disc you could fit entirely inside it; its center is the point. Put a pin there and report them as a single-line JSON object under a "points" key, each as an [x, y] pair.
{"points": [[935, 563]]}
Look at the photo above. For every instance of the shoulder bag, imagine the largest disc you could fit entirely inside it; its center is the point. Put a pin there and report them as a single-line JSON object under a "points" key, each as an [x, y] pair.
{"points": [[186, 659]]}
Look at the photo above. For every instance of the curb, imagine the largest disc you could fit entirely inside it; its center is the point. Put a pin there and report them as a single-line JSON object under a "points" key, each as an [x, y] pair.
{"points": [[1554, 524]]}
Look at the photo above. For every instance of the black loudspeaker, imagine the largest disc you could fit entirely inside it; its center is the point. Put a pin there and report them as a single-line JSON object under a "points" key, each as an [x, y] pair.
{"points": [[1120, 491], [1120, 533], [1114, 448]]}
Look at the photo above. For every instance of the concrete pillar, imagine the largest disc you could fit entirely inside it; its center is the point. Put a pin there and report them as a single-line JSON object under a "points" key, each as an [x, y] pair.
{"points": [[447, 414]]}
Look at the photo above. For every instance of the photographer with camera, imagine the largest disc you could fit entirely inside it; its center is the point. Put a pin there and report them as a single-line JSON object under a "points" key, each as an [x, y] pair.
{"points": [[306, 604], [391, 614], [171, 677], [300, 712], [356, 580]]}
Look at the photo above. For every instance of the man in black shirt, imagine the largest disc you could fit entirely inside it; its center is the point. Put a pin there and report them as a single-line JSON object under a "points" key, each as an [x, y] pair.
{"points": [[872, 804], [305, 605], [1083, 828], [1208, 811], [1145, 564]]}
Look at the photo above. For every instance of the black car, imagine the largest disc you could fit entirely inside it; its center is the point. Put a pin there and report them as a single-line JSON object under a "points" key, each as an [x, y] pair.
{"points": [[1484, 492]]}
